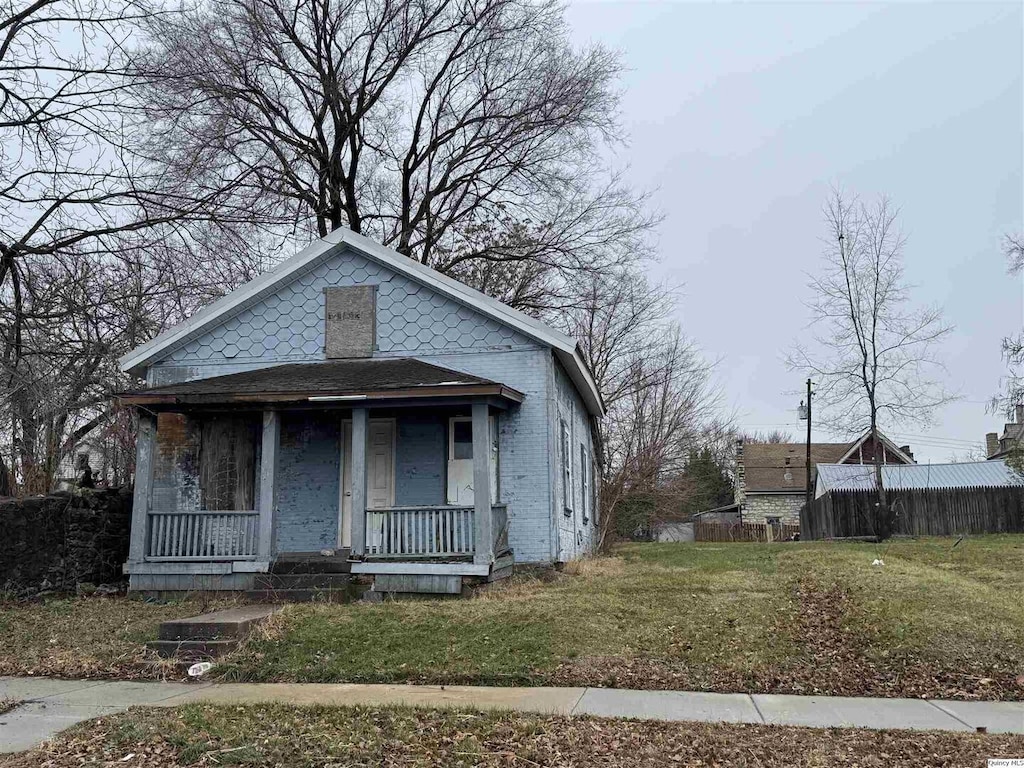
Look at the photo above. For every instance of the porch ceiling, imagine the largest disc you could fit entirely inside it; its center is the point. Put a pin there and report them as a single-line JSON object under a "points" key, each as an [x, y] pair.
{"points": [[342, 380]]}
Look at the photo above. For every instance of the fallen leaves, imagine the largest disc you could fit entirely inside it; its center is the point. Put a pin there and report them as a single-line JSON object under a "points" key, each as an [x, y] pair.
{"points": [[303, 737]]}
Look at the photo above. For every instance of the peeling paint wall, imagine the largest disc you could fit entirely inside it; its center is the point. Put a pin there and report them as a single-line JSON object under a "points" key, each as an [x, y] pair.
{"points": [[176, 464], [420, 458], [308, 477]]}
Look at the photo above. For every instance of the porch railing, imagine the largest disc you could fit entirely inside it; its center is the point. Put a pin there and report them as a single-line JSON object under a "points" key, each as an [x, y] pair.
{"points": [[203, 535], [420, 532], [440, 531]]}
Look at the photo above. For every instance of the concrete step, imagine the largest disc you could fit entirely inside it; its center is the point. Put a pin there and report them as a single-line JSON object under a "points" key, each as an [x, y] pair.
{"points": [[311, 562], [230, 624], [192, 650], [278, 581]]}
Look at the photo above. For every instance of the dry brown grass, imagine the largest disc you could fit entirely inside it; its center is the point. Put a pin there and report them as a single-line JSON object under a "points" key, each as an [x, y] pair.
{"points": [[90, 637], [304, 737]]}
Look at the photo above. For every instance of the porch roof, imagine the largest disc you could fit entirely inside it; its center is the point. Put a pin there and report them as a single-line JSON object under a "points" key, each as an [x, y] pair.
{"points": [[335, 380]]}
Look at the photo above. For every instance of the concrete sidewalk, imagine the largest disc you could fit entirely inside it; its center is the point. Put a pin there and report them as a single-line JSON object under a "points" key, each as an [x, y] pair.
{"points": [[53, 705]]}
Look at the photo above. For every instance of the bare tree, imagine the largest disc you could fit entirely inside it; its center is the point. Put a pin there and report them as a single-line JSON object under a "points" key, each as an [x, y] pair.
{"points": [[875, 358], [775, 436], [661, 400], [1013, 354], [74, 206], [464, 134]]}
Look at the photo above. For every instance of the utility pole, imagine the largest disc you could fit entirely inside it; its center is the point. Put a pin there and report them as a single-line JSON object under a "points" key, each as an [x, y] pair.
{"points": [[804, 412]]}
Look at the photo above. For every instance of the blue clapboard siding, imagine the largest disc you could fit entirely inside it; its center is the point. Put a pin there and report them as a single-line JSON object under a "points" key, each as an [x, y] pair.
{"points": [[308, 478], [420, 459]]}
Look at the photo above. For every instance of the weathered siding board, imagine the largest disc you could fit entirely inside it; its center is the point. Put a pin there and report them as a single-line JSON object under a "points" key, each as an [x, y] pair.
{"points": [[288, 325], [308, 482], [420, 459]]}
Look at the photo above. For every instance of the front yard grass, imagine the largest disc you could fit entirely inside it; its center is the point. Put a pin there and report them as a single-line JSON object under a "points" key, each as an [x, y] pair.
{"points": [[940, 619], [278, 735], [936, 620], [79, 637]]}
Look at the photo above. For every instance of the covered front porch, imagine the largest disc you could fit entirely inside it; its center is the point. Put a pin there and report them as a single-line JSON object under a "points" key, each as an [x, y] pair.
{"points": [[389, 465]]}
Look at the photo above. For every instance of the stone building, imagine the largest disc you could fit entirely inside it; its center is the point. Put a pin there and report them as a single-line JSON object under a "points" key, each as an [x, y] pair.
{"points": [[771, 478]]}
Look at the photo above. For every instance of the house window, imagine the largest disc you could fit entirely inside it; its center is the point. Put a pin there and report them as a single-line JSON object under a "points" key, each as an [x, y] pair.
{"points": [[584, 483], [462, 439], [566, 469]]}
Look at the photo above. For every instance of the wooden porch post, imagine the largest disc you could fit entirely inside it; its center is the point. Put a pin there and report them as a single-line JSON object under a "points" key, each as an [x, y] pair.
{"points": [[268, 483], [482, 484], [145, 449], [360, 447]]}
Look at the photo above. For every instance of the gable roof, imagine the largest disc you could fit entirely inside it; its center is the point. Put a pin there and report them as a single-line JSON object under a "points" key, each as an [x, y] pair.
{"points": [[564, 347], [897, 477], [765, 465], [890, 447]]}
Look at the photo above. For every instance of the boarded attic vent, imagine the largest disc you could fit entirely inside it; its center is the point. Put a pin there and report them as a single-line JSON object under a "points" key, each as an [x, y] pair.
{"points": [[350, 321]]}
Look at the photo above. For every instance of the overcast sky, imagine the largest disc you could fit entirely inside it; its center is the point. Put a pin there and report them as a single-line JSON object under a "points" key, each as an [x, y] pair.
{"points": [[742, 115]]}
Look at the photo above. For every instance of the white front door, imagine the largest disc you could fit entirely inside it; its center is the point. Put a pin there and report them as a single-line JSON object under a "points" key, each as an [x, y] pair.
{"points": [[460, 460], [380, 478]]}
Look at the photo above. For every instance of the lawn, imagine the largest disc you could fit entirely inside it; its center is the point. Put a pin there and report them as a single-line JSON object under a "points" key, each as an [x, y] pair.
{"points": [[87, 636], [321, 736], [938, 619]]}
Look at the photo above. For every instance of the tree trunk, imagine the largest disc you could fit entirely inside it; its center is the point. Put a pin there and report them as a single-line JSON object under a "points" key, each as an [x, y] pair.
{"points": [[883, 522]]}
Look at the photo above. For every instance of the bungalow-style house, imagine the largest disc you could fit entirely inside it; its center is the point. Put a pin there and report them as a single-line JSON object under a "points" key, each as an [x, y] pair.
{"points": [[771, 478], [354, 406]]}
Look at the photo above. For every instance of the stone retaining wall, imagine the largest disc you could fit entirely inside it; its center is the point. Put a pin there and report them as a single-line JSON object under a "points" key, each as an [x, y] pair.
{"points": [[60, 541]]}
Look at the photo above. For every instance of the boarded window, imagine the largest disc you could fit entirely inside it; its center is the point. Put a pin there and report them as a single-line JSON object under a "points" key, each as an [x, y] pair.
{"points": [[227, 462]]}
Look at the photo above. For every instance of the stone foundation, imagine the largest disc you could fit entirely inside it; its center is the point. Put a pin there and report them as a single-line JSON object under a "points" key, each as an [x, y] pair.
{"points": [[757, 508]]}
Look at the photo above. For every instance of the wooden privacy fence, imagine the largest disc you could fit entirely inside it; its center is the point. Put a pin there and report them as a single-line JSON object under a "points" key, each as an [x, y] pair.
{"points": [[763, 532], [922, 512]]}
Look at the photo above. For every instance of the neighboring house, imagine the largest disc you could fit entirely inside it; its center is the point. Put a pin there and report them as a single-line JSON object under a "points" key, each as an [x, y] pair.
{"points": [[355, 404], [997, 447], [771, 478]]}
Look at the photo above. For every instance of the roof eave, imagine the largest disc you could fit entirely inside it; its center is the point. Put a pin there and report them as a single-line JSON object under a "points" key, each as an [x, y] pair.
{"points": [[146, 397]]}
